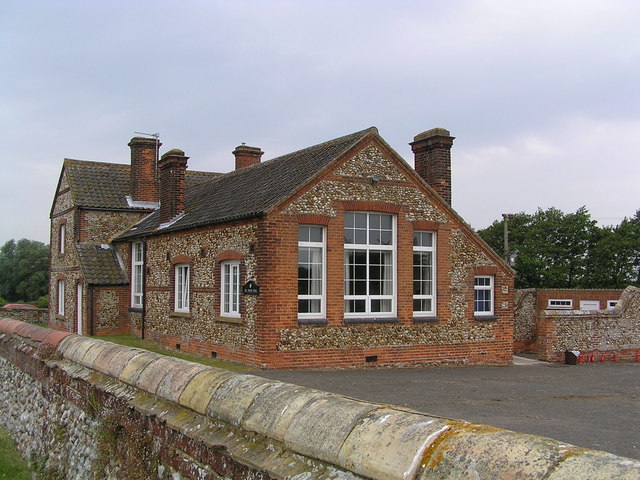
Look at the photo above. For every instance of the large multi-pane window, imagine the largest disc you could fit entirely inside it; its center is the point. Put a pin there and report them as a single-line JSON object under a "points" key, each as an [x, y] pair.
{"points": [[311, 284], [369, 264], [230, 295], [483, 295], [182, 288], [137, 266], [423, 273]]}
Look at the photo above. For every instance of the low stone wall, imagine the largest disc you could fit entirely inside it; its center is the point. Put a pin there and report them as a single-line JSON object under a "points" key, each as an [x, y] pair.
{"points": [[600, 332], [27, 315], [83, 408]]}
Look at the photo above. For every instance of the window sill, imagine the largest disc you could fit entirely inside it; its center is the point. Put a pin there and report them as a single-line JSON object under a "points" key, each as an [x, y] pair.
{"points": [[362, 320], [236, 320], [425, 319], [180, 314], [312, 321], [135, 309], [485, 318]]}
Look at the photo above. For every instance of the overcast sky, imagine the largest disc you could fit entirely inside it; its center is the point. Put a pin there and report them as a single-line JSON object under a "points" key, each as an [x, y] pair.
{"points": [[542, 96]]}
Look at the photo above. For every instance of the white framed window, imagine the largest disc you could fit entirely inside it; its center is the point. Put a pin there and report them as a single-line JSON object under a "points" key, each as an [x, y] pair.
{"points": [[62, 237], [612, 304], [423, 273], [230, 295], [60, 297], [369, 264], [137, 272], [483, 295], [560, 303], [311, 271], [182, 288]]}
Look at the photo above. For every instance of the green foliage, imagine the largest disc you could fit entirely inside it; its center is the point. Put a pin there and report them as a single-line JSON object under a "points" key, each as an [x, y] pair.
{"points": [[39, 467], [615, 257], [11, 464], [558, 250], [42, 302], [24, 270], [3, 302]]}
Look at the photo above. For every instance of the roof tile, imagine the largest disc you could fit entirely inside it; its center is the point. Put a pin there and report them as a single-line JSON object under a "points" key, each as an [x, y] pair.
{"points": [[100, 264], [254, 190]]}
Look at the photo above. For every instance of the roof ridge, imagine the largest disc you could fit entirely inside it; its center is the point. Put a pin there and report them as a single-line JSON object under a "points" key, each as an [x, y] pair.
{"points": [[72, 161], [360, 133]]}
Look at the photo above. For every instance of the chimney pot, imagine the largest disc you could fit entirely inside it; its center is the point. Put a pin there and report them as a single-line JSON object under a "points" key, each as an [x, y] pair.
{"points": [[247, 156], [432, 159]]}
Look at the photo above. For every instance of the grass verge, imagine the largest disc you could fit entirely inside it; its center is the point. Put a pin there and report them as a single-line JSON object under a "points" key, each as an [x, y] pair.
{"points": [[12, 467], [150, 345]]}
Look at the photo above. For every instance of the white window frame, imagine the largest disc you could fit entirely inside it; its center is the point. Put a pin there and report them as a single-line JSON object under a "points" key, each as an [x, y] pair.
{"points": [[612, 304], [230, 271], [483, 288], [137, 274], [302, 244], [560, 303], [368, 248], [182, 271], [60, 291], [62, 237], [431, 249]]}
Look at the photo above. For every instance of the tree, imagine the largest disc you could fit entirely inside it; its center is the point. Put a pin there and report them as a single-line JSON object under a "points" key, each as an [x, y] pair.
{"points": [[24, 270], [615, 258], [553, 247]]}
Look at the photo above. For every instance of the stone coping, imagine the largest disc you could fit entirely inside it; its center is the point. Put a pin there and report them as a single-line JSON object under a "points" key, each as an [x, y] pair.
{"points": [[371, 440]]}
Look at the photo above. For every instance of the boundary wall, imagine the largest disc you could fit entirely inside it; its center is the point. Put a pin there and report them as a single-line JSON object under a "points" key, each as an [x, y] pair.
{"points": [[530, 303], [28, 315], [603, 335], [83, 408]]}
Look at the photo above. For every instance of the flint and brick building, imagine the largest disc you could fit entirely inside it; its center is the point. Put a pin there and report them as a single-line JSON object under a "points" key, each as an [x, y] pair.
{"points": [[337, 255]]}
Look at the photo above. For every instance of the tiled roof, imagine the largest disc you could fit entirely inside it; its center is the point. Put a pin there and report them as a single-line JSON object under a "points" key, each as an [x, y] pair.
{"points": [[254, 190], [106, 185], [98, 185], [100, 264]]}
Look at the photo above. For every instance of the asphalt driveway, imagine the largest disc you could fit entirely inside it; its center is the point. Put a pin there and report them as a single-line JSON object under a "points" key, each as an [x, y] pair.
{"points": [[591, 405]]}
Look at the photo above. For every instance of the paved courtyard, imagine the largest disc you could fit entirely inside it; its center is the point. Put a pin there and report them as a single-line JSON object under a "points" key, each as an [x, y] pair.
{"points": [[592, 405]]}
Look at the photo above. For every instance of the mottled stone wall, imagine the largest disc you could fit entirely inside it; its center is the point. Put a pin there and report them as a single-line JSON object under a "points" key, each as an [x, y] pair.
{"points": [[71, 279], [108, 311], [64, 266], [369, 336], [614, 330], [101, 226], [203, 322], [525, 316], [28, 315], [370, 161], [48, 430]]}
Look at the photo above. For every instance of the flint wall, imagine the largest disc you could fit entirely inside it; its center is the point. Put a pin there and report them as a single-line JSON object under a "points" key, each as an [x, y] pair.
{"points": [[85, 408]]}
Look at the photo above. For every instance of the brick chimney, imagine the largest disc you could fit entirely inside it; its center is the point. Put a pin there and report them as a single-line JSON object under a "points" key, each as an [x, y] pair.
{"points": [[144, 176], [172, 167], [247, 156], [432, 157]]}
